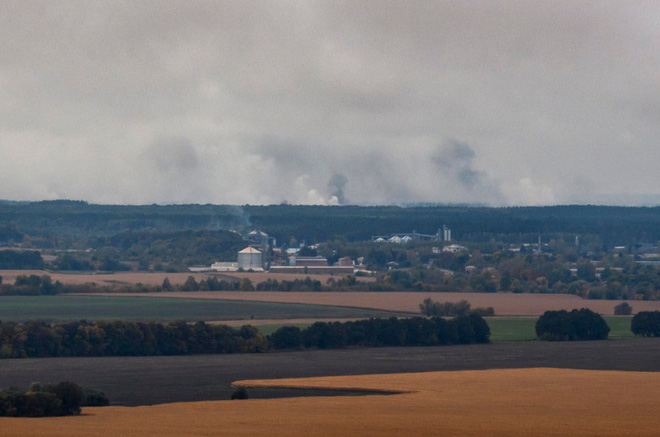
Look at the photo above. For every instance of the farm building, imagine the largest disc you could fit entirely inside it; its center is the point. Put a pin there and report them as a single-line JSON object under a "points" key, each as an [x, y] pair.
{"points": [[314, 270], [308, 261]]}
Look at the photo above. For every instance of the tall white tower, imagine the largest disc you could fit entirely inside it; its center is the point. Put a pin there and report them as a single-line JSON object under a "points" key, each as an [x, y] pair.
{"points": [[446, 233]]}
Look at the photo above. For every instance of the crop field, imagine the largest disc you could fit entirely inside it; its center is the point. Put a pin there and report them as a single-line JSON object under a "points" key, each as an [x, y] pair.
{"points": [[511, 402], [106, 307], [505, 304], [523, 328], [154, 380], [501, 328]]}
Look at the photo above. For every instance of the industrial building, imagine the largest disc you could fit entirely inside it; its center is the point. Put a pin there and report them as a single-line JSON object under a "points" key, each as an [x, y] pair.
{"points": [[314, 270], [444, 234], [260, 240], [308, 261], [250, 259]]}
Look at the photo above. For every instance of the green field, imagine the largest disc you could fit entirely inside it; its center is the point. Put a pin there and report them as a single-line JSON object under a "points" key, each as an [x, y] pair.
{"points": [[522, 328], [514, 328], [66, 307]]}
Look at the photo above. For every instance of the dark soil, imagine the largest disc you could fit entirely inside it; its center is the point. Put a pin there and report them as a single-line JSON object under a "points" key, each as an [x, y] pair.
{"points": [[153, 380]]}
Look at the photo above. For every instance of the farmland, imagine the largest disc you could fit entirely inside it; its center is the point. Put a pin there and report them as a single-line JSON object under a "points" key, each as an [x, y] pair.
{"points": [[106, 307], [501, 328], [152, 380], [510, 402], [522, 328], [505, 304], [151, 278]]}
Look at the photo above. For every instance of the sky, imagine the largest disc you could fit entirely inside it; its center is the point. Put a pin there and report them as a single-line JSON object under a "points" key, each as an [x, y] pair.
{"points": [[331, 102]]}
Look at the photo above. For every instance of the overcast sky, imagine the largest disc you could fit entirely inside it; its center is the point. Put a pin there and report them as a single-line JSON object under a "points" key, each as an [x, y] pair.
{"points": [[504, 103]]}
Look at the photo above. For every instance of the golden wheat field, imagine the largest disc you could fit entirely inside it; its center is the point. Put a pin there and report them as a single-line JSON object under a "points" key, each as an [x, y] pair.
{"points": [[511, 402]]}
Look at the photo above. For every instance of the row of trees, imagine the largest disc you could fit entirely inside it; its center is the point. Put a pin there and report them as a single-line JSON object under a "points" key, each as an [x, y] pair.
{"points": [[32, 285], [38, 339], [118, 338], [462, 308], [416, 331]]}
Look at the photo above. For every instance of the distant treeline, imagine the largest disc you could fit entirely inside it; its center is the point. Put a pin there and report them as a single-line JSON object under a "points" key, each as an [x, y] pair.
{"points": [[84, 339], [64, 224]]}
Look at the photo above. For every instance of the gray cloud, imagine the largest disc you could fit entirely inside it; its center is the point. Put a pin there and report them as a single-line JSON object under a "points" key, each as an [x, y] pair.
{"points": [[257, 102]]}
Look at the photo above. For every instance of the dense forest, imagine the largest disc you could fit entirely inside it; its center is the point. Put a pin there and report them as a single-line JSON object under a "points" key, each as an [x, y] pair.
{"points": [[71, 224]]}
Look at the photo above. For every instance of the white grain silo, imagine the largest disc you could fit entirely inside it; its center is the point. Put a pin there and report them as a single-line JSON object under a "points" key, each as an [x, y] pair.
{"points": [[250, 259]]}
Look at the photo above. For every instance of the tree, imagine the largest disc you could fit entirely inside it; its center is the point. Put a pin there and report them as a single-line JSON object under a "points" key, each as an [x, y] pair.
{"points": [[287, 337], [167, 285], [586, 271], [562, 325], [505, 281], [646, 324], [190, 284], [246, 285], [239, 394], [623, 309], [71, 396]]}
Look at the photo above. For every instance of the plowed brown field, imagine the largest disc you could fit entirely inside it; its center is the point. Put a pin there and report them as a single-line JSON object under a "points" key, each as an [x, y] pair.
{"points": [[512, 402], [126, 278], [505, 304]]}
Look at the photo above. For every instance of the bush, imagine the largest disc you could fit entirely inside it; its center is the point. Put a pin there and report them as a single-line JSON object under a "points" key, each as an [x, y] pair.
{"points": [[239, 394], [623, 309], [63, 399], [646, 324], [582, 324], [94, 398], [484, 312]]}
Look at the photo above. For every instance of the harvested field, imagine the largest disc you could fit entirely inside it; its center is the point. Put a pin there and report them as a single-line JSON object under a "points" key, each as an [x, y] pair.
{"points": [[127, 278], [508, 402], [153, 380], [505, 304]]}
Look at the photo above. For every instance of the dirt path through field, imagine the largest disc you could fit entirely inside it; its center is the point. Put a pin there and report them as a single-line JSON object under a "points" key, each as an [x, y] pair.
{"points": [[505, 304], [511, 402], [265, 322]]}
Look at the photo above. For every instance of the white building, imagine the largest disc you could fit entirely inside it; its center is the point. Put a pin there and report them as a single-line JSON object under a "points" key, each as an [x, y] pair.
{"points": [[224, 267]]}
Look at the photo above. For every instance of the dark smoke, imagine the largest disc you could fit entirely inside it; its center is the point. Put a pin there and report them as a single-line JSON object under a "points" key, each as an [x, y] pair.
{"points": [[337, 185], [455, 159]]}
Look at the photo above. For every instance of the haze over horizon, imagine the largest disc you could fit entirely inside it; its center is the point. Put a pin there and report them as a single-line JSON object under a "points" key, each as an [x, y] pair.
{"points": [[368, 102]]}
